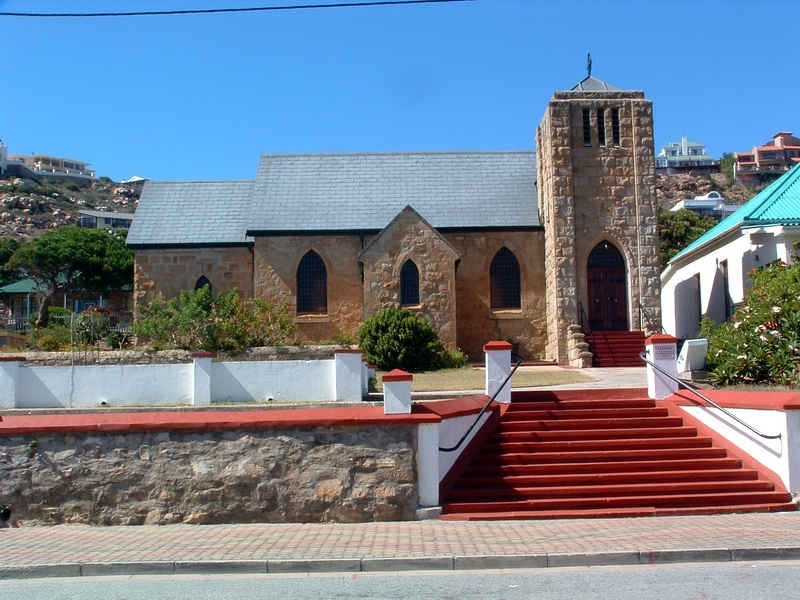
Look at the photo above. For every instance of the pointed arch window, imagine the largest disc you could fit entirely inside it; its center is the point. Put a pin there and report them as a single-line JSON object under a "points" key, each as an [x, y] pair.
{"points": [[505, 280], [409, 284], [312, 285], [202, 282]]}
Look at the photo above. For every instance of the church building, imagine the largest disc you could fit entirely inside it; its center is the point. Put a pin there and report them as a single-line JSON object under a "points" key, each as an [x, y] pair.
{"points": [[533, 247]]}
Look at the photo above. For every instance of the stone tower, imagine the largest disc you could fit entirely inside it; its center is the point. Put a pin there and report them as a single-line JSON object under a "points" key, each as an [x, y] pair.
{"points": [[596, 184]]}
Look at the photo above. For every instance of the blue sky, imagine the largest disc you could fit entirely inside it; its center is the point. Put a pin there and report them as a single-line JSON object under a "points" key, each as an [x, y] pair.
{"points": [[200, 97]]}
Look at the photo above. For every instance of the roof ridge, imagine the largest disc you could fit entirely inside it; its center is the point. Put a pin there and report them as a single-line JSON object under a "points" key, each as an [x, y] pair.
{"points": [[184, 181], [397, 153]]}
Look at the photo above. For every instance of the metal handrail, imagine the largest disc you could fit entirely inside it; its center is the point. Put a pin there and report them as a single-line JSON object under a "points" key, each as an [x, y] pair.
{"points": [[583, 319], [485, 407], [696, 392]]}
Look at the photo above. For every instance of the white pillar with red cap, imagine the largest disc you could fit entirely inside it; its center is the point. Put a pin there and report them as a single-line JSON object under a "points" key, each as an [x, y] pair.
{"points": [[660, 350], [498, 366], [397, 392]]}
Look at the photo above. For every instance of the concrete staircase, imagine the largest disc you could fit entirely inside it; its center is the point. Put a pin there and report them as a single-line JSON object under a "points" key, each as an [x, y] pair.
{"points": [[602, 453], [616, 348]]}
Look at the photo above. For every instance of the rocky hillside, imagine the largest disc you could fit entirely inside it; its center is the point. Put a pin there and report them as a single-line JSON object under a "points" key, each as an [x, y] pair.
{"points": [[671, 188], [29, 208]]}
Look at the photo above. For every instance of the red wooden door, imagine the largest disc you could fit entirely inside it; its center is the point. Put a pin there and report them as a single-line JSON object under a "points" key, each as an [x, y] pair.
{"points": [[608, 304]]}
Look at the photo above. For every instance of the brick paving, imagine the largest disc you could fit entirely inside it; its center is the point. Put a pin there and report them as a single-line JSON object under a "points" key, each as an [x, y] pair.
{"points": [[81, 544]]}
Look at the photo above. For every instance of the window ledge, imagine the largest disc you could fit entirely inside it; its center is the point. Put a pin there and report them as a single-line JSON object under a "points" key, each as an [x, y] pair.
{"points": [[507, 313], [411, 306], [312, 319]]}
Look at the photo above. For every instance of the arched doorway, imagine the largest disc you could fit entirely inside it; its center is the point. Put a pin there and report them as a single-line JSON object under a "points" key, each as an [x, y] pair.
{"points": [[605, 276]]}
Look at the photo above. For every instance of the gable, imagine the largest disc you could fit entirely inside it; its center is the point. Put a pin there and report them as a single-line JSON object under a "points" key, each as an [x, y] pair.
{"points": [[396, 233]]}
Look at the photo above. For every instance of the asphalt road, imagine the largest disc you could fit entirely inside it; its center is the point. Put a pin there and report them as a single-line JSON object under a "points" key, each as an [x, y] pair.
{"points": [[709, 581]]}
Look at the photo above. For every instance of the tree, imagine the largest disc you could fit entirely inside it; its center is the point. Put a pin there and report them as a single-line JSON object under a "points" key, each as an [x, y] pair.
{"points": [[7, 247], [72, 258], [676, 230], [726, 166]]}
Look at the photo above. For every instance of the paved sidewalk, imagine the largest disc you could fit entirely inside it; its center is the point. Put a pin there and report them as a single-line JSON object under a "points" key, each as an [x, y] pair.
{"points": [[75, 550]]}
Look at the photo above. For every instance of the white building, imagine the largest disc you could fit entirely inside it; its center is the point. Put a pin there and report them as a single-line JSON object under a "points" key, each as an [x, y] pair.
{"points": [[710, 276], [711, 204]]}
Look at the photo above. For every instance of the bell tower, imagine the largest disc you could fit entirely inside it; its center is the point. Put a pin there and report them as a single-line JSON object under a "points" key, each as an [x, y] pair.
{"points": [[597, 203]]}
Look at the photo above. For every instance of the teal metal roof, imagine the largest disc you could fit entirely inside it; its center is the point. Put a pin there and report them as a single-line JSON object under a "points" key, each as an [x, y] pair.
{"points": [[24, 286], [776, 204]]}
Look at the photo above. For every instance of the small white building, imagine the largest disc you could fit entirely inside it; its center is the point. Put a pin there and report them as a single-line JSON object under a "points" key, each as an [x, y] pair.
{"points": [[711, 204], [710, 276]]}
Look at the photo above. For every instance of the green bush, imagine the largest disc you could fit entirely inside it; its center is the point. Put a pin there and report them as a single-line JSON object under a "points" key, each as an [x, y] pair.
{"points": [[454, 359], [399, 338], [51, 339], [762, 342], [199, 320]]}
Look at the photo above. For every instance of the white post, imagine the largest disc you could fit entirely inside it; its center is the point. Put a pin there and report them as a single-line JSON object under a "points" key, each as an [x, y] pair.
{"points": [[661, 351], [428, 463], [9, 380], [364, 377], [397, 392], [203, 363], [498, 366], [347, 373]]}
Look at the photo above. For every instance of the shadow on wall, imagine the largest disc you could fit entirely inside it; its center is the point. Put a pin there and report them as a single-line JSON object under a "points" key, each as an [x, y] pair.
{"points": [[687, 308]]}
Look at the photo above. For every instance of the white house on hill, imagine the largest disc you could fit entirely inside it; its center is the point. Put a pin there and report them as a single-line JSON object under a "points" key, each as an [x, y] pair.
{"points": [[710, 276]]}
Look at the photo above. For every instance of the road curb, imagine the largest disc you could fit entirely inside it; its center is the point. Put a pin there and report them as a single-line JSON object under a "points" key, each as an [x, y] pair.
{"points": [[403, 563]]}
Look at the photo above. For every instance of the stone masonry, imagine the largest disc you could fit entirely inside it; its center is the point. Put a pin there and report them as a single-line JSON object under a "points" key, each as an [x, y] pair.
{"points": [[301, 474], [590, 193]]}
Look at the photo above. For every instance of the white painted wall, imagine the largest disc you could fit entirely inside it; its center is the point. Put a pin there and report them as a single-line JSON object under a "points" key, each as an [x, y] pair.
{"points": [[743, 249], [450, 431], [781, 455], [171, 384], [308, 380], [88, 386]]}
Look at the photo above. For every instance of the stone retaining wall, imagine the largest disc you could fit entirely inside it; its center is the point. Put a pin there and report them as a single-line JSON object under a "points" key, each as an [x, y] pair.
{"points": [[299, 474], [143, 357]]}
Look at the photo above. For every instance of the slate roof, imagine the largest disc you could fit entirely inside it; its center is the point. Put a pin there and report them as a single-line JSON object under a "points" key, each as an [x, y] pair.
{"points": [[776, 204], [349, 192], [191, 212], [593, 84]]}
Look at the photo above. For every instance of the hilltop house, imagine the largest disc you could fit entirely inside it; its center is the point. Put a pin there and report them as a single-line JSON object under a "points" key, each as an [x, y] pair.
{"points": [[778, 155], [513, 245], [683, 156], [710, 276]]}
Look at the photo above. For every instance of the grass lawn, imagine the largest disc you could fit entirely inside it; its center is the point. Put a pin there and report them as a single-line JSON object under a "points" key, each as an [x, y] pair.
{"points": [[469, 378]]}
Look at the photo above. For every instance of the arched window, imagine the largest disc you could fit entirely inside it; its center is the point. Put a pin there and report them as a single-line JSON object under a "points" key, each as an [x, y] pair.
{"points": [[312, 285], [202, 282], [409, 284], [504, 274]]}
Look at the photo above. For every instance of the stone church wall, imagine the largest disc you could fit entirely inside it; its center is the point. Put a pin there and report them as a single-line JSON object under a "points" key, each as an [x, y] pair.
{"points": [[477, 322], [409, 237], [276, 259], [167, 271]]}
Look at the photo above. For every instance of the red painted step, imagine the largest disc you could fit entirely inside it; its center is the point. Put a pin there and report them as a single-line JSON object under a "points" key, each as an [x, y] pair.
{"points": [[602, 453], [616, 348], [585, 445], [607, 478], [592, 434]]}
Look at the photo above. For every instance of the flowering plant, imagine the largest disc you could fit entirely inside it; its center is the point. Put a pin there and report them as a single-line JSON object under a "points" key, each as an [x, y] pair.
{"points": [[762, 342]]}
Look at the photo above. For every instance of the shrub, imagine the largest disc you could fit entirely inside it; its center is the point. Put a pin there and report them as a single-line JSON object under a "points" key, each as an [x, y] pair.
{"points": [[454, 359], [199, 320], [50, 339], [92, 324], [762, 342], [399, 338]]}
